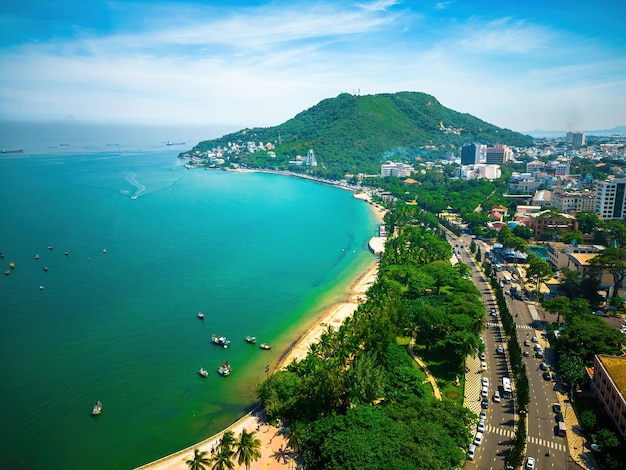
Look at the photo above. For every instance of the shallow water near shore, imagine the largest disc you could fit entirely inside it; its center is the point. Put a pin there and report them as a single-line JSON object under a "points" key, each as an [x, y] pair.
{"points": [[258, 254]]}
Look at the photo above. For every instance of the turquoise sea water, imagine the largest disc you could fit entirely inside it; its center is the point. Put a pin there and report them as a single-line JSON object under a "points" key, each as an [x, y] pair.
{"points": [[258, 254]]}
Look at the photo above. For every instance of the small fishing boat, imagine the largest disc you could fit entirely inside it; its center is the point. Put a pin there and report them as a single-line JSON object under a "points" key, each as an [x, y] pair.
{"points": [[104, 250], [224, 370], [49, 247], [201, 315], [12, 265], [36, 256], [97, 409], [203, 372], [45, 268], [7, 272], [67, 253], [220, 341], [265, 346], [251, 339]]}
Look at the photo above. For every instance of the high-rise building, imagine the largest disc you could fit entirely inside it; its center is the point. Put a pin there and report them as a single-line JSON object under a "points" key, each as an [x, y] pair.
{"points": [[498, 154], [577, 139], [470, 154], [610, 203]]}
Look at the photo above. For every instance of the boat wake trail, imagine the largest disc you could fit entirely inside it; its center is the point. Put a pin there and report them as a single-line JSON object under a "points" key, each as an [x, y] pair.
{"points": [[140, 187]]}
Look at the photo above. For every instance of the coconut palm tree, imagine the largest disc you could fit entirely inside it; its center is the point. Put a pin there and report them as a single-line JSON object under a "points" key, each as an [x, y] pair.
{"points": [[199, 461], [222, 460], [247, 448]]}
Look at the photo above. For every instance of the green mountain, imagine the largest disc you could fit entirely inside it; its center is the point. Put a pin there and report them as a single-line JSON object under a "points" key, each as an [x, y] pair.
{"points": [[352, 134]]}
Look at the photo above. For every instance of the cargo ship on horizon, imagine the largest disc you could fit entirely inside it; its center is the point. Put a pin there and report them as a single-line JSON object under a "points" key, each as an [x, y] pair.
{"points": [[12, 151]]}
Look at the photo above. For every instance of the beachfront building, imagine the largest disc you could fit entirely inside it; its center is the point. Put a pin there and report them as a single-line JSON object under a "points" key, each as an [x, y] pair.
{"points": [[401, 170], [609, 386]]}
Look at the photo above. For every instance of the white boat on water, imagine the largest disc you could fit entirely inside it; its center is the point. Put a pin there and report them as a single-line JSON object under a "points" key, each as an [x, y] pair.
{"points": [[203, 372], [97, 409], [224, 370], [220, 341]]}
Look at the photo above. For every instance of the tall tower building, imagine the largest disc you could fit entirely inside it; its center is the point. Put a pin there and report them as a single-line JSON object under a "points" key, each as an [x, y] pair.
{"points": [[470, 154], [498, 154], [610, 203], [578, 139]]}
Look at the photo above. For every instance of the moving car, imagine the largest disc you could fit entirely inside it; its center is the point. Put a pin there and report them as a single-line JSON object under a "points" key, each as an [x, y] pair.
{"points": [[526, 354], [496, 396], [526, 343], [530, 463]]}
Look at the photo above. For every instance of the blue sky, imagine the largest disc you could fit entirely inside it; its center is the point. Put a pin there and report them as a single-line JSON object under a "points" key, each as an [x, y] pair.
{"points": [[550, 64]]}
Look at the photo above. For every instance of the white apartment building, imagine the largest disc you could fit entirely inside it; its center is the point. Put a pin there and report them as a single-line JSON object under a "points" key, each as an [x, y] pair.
{"points": [[401, 170], [610, 201], [573, 201]]}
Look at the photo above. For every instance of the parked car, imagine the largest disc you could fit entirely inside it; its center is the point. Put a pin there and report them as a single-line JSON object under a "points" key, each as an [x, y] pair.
{"points": [[530, 463], [559, 417], [537, 347], [484, 404], [482, 356], [539, 354], [500, 349], [481, 426], [471, 453], [546, 376], [556, 407], [543, 366], [493, 312], [478, 440], [535, 340], [484, 392], [485, 381], [483, 365]]}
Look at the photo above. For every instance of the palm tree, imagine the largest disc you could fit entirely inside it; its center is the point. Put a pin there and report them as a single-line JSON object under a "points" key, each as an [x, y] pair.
{"points": [[295, 436], [222, 460], [199, 460], [247, 448]]}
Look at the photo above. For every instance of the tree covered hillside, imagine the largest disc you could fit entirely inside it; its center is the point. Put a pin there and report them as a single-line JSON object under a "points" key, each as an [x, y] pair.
{"points": [[351, 134]]}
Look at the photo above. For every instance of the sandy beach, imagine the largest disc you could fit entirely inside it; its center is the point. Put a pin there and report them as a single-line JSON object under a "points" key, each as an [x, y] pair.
{"points": [[274, 445]]}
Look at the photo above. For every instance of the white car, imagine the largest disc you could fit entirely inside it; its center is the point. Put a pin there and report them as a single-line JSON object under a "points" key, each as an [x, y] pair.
{"points": [[481, 426], [484, 392], [478, 440], [483, 365], [471, 453], [485, 381], [483, 415], [496, 396], [535, 339], [530, 463], [482, 356]]}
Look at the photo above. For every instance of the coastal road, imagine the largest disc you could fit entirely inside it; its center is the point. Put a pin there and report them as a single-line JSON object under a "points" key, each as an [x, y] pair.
{"points": [[500, 419], [542, 425]]}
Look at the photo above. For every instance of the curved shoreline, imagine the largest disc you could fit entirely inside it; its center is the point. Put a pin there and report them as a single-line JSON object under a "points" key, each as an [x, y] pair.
{"points": [[271, 438]]}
